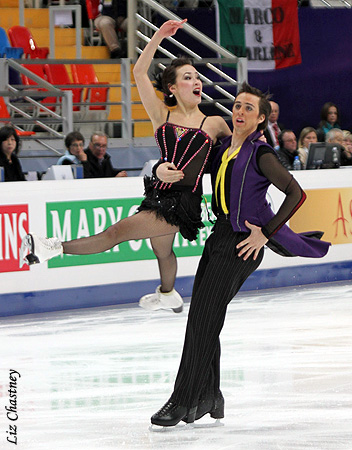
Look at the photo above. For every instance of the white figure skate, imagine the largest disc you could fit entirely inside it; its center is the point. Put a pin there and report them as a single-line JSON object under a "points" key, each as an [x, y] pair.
{"points": [[162, 300], [39, 249]]}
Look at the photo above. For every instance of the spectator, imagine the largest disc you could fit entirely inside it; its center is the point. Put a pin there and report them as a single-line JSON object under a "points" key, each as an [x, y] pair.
{"points": [[334, 136], [100, 161], [330, 118], [112, 19], [9, 148], [346, 154], [308, 136], [74, 143], [274, 128], [288, 148]]}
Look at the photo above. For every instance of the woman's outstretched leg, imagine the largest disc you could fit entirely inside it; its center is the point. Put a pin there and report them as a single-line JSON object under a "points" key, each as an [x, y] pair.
{"points": [[142, 225], [165, 297]]}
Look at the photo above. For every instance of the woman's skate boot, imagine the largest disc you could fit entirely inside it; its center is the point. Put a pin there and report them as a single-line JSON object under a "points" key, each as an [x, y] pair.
{"points": [[162, 300], [39, 249]]}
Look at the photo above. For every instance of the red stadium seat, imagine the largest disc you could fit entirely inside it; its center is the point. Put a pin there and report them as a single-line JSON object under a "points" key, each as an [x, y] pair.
{"points": [[22, 37], [38, 69], [57, 75], [92, 7], [85, 74]]}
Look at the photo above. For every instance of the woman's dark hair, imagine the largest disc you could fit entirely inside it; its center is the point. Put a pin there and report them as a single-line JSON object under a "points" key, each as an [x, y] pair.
{"points": [[324, 113], [6, 132], [168, 77], [72, 137], [264, 104]]}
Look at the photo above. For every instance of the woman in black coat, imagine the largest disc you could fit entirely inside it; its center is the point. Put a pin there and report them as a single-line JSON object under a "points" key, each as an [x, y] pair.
{"points": [[9, 148]]}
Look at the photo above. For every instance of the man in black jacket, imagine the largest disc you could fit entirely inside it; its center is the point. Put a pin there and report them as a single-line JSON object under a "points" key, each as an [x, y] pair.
{"points": [[288, 148], [100, 161]]}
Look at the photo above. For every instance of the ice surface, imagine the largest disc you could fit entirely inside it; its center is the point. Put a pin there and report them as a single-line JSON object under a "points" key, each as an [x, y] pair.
{"points": [[91, 379]]}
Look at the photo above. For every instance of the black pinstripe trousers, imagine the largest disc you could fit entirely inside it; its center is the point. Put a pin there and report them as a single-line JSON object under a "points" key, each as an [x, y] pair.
{"points": [[220, 275]]}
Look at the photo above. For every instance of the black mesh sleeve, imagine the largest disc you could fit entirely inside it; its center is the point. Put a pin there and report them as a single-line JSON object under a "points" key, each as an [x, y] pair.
{"points": [[273, 170]]}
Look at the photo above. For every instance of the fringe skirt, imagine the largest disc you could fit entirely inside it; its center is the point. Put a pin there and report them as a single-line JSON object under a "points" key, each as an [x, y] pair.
{"points": [[180, 208]]}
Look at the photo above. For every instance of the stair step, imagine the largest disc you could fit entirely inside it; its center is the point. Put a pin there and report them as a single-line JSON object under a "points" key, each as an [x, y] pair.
{"points": [[69, 52], [65, 36], [33, 17], [138, 112], [115, 112], [8, 3], [143, 129]]}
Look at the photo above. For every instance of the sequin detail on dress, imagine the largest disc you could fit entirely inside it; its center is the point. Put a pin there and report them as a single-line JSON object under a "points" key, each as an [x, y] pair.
{"points": [[179, 203], [188, 148]]}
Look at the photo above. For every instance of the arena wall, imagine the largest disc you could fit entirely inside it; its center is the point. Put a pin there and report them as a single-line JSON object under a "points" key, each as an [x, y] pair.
{"points": [[77, 208]]}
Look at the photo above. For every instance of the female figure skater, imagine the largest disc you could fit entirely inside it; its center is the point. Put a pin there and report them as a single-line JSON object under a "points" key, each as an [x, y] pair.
{"points": [[185, 137], [242, 170]]}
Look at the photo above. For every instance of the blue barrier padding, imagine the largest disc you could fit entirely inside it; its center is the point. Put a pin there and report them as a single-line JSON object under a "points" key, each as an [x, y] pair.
{"points": [[125, 293]]}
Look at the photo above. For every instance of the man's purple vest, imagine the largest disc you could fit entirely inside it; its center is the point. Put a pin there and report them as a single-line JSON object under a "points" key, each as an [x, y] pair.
{"points": [[248, 202]]}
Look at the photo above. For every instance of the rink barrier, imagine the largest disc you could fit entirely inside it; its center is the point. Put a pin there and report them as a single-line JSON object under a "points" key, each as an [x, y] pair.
{"points": [[120, 276], [129, 293]]}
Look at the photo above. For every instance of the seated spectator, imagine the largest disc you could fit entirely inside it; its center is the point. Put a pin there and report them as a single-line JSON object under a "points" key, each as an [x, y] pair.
{"points": [[330, 118], [274, 128], [112, 19], [74, 143], [334, 136], [346, 154], [288, 148], [100, 161], [308, 136], [9, 148]]}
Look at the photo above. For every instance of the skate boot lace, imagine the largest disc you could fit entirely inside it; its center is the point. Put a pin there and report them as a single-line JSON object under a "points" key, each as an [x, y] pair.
{"points": [[166, 408], [154, 299], [50, 243]]}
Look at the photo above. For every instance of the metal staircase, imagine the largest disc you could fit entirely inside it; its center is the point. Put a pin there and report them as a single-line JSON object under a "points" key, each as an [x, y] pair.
{"points": [[330, 3], [221, 75]]}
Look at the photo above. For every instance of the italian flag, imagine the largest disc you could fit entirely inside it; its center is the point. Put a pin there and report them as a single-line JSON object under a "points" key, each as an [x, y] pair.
{"points": [[264, 31]]}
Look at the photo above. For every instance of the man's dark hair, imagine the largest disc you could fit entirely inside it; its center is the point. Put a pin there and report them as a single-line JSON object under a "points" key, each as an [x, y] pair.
{"points": [[71, 137], [281, 135], [264, 104]]}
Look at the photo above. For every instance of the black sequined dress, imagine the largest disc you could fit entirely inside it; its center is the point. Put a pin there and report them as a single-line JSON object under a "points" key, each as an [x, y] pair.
{"points": [[179, 203]]}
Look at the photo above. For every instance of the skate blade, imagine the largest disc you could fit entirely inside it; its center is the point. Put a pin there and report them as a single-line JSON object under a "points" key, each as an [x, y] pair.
{"points": [[159, 307], [215, 424], [179, 427], [26, 247]]}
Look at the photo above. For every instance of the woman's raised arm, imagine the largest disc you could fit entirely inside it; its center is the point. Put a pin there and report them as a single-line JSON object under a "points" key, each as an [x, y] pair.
{"points": [[155, 108]]}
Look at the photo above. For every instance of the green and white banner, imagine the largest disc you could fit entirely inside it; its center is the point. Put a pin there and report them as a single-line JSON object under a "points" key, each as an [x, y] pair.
{"points": [[264, 31], [76, 219]]}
